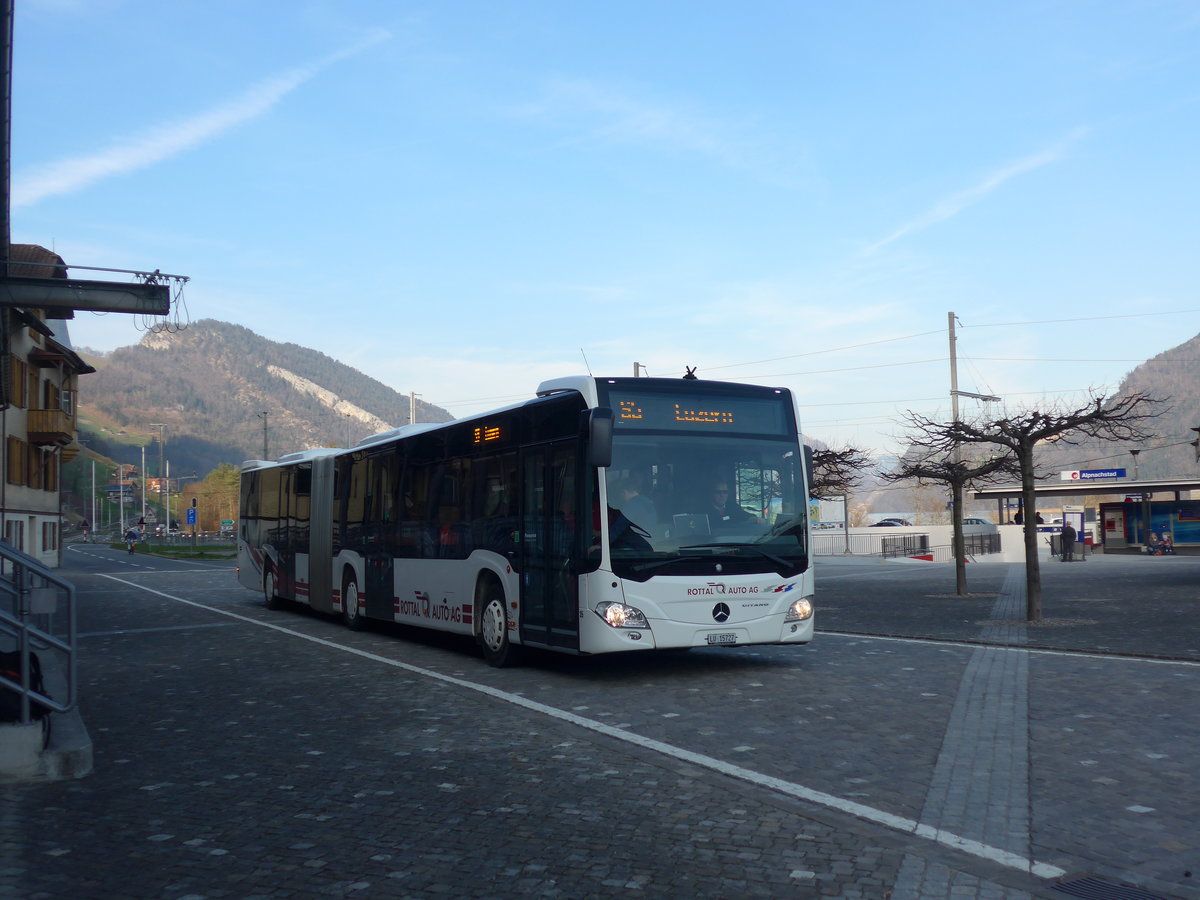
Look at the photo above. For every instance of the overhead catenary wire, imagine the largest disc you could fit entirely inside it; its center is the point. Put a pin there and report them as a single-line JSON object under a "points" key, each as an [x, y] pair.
{"points": [[899, 338]]}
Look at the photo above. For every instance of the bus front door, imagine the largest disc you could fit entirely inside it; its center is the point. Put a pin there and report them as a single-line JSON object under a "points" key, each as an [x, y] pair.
{"points": [[550, 522]]}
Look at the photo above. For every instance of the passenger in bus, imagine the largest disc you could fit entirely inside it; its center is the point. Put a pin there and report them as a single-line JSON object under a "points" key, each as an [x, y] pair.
{"points": [[723, 511], [624, 534], [635, 506]]}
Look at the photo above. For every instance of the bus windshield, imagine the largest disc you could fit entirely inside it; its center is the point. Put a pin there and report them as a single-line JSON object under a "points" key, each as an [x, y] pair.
{"points": [[678, 503]]}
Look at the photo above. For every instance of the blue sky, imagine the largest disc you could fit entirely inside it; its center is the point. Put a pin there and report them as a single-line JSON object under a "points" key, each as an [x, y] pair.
{"points": [[464, 198]]}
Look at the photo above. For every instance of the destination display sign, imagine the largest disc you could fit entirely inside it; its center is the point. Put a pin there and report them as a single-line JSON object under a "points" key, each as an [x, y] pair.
{"points": [[1091, 474], [698, 412]]}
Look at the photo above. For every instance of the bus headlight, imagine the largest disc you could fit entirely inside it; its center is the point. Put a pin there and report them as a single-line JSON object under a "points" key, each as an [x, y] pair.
{"points": [[799, 611], [618, 615]]}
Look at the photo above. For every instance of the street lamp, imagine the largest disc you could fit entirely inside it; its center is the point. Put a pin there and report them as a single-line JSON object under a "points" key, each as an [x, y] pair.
{"points": [[1134, 454], [162, 484]]}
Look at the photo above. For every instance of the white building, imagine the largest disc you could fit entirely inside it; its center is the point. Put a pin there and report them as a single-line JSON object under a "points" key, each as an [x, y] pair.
{"points": [[39, 372]]}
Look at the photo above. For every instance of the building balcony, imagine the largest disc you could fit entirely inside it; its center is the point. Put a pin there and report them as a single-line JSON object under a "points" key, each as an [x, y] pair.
{"points": [[50, 426]]}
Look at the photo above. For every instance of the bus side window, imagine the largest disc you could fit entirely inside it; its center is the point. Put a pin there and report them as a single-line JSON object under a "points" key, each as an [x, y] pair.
{"points": [[493, 492], [414, 526]]}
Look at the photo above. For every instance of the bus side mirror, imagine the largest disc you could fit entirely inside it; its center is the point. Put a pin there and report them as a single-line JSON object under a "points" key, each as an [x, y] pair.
{"points": [[808, 467], [599, 437]]}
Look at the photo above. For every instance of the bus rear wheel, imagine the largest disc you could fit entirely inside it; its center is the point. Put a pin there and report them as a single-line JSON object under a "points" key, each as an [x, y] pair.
{"points": [[271, 589], [350, 615], [493, 625]]}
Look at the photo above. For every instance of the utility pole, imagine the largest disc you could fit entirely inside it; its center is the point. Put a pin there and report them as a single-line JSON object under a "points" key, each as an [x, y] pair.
{"points": [[161, 481], [412, 408], [121, 496], [266, 453], [956, 493]]}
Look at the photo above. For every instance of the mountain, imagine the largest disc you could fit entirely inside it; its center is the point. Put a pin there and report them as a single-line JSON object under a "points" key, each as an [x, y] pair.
{"points": [[220, 391], [1172, 376]]}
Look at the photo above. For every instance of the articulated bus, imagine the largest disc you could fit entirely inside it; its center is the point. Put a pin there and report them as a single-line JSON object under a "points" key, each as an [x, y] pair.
{"points": [[605, 515]]}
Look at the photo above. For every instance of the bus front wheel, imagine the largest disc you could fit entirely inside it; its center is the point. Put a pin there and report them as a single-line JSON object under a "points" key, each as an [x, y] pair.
{"points": [[493, 625], [350, 615]]}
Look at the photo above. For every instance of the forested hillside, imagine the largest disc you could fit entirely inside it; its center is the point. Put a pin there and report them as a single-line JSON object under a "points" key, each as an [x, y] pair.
{"points": [[213, 385]]}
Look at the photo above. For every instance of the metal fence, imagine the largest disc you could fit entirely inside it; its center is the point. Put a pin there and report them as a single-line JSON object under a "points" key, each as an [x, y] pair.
{"points": [[981, 544], [836, 543], [892, 546]]}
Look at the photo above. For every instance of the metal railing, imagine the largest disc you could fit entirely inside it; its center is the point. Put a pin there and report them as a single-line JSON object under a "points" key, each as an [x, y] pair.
{"points": [[893, 546], [33, 621], [981, 544]]}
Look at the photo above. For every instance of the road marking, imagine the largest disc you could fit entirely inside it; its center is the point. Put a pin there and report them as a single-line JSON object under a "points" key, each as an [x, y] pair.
{"points": [[787, 788], [92, 634], [200, 564], [1006, 648]]}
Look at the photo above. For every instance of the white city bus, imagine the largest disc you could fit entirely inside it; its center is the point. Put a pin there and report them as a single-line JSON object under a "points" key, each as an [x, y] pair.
{"points": [[586, 521]]}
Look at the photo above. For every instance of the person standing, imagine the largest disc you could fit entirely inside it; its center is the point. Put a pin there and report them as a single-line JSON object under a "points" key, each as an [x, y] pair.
{"points": [[1068, 542]]}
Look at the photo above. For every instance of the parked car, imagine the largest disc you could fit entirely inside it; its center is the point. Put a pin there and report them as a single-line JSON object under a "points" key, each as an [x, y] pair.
{"points": [[890, 523], [979, 525]]}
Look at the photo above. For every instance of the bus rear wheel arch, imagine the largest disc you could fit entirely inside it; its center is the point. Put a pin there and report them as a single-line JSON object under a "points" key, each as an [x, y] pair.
{"points": [[492, 615]]}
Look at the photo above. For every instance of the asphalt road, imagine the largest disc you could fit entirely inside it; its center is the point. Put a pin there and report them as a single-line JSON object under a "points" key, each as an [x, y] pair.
{"points": [[247, 753]]}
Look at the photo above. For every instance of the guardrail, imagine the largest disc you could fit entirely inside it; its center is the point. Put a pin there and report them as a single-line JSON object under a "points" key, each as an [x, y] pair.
{"points": [[32, 620]]}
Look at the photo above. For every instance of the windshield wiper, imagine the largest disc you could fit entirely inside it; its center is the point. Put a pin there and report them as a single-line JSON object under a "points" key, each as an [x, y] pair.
{"points": [[659, 563], [727, 549], [780, 563]]}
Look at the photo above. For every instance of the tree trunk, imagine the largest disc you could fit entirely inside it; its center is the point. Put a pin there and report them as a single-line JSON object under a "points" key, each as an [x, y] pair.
{"points": [[957, 544], [1033, 573]]}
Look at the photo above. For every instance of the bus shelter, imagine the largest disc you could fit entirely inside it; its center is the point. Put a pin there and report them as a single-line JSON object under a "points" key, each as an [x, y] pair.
{"points": [[1130, 511]]}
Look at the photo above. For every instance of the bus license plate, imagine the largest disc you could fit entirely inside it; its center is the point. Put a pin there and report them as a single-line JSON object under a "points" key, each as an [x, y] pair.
{"points": [[726, 637]]}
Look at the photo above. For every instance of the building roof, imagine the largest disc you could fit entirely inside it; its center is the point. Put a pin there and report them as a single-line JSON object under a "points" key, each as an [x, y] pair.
{"points": [[1117, 488], [39, 262]]}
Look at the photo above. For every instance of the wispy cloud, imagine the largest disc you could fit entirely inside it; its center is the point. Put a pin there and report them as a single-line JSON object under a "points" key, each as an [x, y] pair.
{"points": [[602, 114], [157, 144], [956, 203]]}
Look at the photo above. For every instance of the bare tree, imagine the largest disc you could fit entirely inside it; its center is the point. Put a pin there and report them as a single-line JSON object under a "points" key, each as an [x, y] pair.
{"points": [[1120, 419], [934, 462], [837, 472]]}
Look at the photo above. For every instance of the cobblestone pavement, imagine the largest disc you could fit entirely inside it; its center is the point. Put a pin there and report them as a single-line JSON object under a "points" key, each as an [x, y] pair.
{"points": [[244, 753]]}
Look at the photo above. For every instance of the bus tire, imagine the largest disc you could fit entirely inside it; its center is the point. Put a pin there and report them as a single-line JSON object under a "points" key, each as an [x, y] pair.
{"points": [[271, 589], [350, 617], [493, 624]]}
